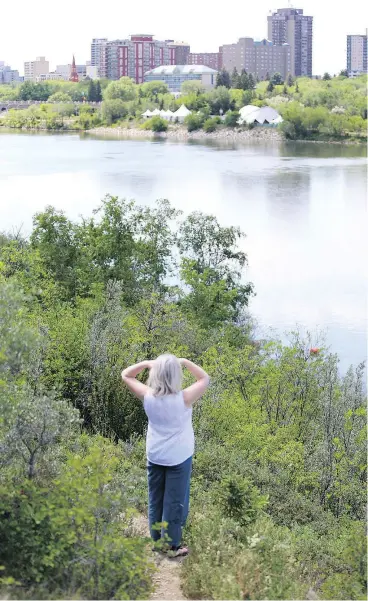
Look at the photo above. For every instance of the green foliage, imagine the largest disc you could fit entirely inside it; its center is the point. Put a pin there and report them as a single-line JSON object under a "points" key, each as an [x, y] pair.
{"points": [[113, 110], [152, 89], [223, 79], [240, 500], [59, 97], [194, 121], [125, 89], [192, 86], [156, 124], [232, 118], [210, 125], [326, 77], [277, 79], [70, 540], [279, 479]]}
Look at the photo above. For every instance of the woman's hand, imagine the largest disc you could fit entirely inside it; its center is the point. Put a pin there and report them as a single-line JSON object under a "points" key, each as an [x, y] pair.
{"points": [[149, 364]]}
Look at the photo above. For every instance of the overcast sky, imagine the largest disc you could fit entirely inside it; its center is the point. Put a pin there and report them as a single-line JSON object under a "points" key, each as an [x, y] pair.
{"points": [[57, 30]]}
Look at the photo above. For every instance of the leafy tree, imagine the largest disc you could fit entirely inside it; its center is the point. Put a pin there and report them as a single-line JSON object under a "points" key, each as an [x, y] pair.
{"points": [[344, 73], [290, 80], [192, 86], [151, 89], [232, 118], [34, 91], [125, 89], [59, 97], [267, 76], [284, 91], [113, 110], [91, 94], [194, 121], [251, 81], [326, 77], [220, 99], [235, 79], [223, 79], [156, 124], [98, 91], [270, 87], [210, 125], [277, 79]]}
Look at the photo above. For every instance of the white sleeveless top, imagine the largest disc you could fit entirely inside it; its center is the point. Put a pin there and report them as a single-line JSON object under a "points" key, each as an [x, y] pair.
{"points": [[170, 436]]}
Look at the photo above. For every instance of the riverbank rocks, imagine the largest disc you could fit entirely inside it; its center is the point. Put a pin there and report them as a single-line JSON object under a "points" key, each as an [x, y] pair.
{"points": [[181, 133]]}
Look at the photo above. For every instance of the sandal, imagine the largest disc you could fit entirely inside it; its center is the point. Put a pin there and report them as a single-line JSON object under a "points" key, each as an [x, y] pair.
{"points": [[178, 551]]}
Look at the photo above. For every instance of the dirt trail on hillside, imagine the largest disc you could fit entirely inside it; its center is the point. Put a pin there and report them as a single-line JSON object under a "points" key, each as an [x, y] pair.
{"points": [[167, 577]]}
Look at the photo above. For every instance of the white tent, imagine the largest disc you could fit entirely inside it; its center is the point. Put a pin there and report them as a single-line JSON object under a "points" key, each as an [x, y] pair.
{"points": [[168, 115], [155, 112], [255, 114], [181, 113], [147, 114]]}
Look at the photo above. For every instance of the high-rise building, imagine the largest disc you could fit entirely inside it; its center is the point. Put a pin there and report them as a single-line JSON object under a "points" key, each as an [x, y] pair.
{"points": [[7, 74], [178, 52], [258, 58], [98, 55], [356, 54], [213, 60], [135, 56], [291, 26], [37, 68]]}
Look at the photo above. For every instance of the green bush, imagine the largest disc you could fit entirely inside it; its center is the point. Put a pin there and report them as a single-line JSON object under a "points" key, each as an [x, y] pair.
{"points": [[112, 110], [210, 125], [156, 124], [194, 121], [70, 541], [240, 499], [232, 118]]}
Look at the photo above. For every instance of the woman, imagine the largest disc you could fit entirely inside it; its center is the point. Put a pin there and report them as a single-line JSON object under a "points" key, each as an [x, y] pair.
{"points": [[170, 440]]}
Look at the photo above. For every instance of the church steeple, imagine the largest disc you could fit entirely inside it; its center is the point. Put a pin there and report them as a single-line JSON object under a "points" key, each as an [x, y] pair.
{"points": [[74, 74]]}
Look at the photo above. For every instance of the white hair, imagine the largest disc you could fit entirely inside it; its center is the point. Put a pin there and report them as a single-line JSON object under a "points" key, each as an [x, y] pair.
{"points": [[165, 376]]}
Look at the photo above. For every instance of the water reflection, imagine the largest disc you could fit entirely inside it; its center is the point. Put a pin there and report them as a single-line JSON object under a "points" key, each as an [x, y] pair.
{"points": [[302, 207]]}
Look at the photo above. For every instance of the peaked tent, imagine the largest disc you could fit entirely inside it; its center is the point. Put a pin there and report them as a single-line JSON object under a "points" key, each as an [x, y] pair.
{"points": [[147, 114], [181, 113]]}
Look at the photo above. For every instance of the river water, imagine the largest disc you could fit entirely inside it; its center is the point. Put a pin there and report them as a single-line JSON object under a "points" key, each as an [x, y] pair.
{"points": [[302, 206]]}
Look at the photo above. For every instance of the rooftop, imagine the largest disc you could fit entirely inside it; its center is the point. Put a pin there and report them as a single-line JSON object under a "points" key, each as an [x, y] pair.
{"points": [[180, 69]]}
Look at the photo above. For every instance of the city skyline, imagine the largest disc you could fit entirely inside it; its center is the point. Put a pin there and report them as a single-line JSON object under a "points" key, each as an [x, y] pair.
{"points": [[204, 29]]}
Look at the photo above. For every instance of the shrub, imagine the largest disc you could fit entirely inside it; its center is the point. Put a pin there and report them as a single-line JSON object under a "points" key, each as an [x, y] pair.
{"points": [[194, 121], [156, 124], [71, 540], [240, 499], [231, 118], [210, 125], [112, 110]]}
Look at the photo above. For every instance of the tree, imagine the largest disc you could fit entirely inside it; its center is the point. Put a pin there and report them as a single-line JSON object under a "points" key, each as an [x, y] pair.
{"points": [[124, 89], [244, 80], [192, 86], [112, 110], [297, 87], [326, 77], [220, 99], [270, 87], [290, 80], [344, 73], [284, 91], [156, 124], [252, 82], [232, 118], [98, 91], [91, 94], [267, 76], [277, 79], [235, 79], [59, 97], [223, 79], [151, 89]]}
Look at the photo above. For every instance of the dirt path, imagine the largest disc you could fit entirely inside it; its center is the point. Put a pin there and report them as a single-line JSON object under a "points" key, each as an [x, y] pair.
{"points": [[167, 577]]}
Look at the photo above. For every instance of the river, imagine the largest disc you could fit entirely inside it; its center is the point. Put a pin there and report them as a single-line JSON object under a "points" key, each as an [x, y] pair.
{"points": [[302, 206]]}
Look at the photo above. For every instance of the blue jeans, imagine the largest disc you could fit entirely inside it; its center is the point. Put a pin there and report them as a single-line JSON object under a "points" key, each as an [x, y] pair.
{"points": [[168, 498]]}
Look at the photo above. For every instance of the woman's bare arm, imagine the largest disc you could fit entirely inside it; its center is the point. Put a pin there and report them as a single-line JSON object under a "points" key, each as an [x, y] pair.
{"points": [[129, 374], [196, 390]]}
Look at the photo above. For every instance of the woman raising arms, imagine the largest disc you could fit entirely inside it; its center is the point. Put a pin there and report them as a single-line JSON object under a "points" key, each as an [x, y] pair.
{"points": [[170, 439]]}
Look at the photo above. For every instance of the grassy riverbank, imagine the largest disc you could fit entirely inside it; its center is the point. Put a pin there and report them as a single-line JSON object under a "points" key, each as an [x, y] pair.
{"points": [[333, 109]]}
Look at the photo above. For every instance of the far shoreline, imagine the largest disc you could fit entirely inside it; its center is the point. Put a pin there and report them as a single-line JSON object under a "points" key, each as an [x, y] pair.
{"points": [[180, 133]]}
